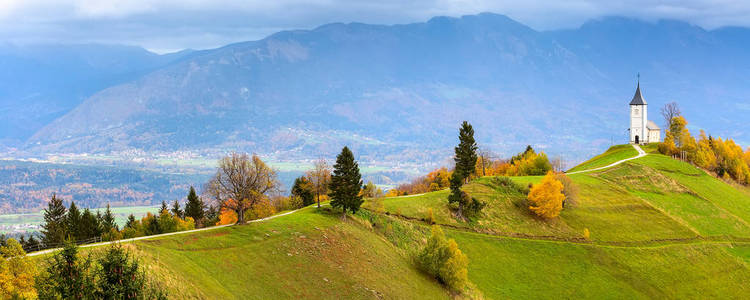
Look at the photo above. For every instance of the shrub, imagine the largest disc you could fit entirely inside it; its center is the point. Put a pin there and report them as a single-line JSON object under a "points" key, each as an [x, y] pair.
{"points": [[442, 259], [547, 198], [16, 272], [430, 218], [586, 233], [116, 275]]}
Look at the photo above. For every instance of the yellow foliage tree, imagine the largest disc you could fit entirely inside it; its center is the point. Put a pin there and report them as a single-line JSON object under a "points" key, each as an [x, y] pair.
{"points": [[227, 216], [547, 197], [16, 272]]}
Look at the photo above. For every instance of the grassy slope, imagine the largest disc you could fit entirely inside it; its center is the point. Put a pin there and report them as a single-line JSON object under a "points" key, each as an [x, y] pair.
{"points": [[305, 255], [615, 153], [659, 227]]}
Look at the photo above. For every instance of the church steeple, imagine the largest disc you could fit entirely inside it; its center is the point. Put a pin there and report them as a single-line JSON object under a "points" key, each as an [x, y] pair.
{"points": [[637, 98]]}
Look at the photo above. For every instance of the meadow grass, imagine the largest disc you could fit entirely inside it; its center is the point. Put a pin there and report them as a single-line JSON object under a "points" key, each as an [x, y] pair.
{"points": [[612, 155], [519, 268], [310, 254]]}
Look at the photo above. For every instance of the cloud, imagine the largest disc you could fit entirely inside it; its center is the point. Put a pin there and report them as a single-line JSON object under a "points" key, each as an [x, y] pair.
{"points": [[173, 24]]}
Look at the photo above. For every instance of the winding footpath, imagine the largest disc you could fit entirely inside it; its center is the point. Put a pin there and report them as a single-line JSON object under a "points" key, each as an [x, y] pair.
{"points": [[163, 234], [641, 153]]}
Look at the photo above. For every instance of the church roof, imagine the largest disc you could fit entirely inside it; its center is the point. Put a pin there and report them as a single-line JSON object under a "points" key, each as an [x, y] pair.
{"points": [[637, 98], [652, 125]]}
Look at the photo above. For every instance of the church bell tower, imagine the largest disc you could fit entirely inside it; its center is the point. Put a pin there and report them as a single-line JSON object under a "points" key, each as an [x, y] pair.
{"points": [[638, 118]]}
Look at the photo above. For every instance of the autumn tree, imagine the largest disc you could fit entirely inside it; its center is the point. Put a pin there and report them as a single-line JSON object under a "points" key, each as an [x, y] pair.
{"points": [[669, 111], [466, 152], [16, 272], [442, 259], [243, 179], [303, 189], [194, 207], [54, 228], [370, 190], [678, 129], [547, 197], [346, 183], [320, 177]]}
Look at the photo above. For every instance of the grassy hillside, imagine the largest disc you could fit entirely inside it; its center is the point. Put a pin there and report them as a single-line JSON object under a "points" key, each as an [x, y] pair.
{"points": [[615, 153], [659, 228], [646, 217], [309, 254]]}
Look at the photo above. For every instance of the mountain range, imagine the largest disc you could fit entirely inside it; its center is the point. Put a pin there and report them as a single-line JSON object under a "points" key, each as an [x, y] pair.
{"points": [[393, 93]]}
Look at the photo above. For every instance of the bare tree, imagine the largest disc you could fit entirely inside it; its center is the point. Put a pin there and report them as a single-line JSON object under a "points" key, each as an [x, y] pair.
{"points": [[485, 160], [668, 112], [241, 182], [320, 176]]}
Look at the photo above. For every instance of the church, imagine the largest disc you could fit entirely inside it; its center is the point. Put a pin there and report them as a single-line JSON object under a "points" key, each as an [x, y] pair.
{"points": [[642, 130]]}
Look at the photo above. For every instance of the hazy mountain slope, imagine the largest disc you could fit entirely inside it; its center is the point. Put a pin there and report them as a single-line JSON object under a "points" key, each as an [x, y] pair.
{"points": [[39, 83], [398, 92], [401, 85]]}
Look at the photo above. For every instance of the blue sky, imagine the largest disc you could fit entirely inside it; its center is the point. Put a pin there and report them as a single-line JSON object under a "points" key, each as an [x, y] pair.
{"points": [[169, 25]]}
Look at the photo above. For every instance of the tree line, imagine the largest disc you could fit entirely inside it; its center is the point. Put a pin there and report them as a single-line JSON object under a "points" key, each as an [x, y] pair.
{"points": [[722, 157], [63, 223]]}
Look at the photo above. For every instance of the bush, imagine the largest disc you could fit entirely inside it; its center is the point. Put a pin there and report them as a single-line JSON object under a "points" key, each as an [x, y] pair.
{"points": [[442, 259], [547, 198], [116, 275], [16, 272]]}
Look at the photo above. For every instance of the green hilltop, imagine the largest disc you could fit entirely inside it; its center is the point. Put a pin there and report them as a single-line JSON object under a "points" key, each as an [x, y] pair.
{"points": [[659, 228]]}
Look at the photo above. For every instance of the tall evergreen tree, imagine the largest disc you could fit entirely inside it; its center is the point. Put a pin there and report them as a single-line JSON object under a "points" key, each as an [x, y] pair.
{"points": [[88, 226], [163, 207], [131, 221], [176, 210], [346, 182], [466, 152], [194, 207], [55, 227], [108, 221], [74, 222]]}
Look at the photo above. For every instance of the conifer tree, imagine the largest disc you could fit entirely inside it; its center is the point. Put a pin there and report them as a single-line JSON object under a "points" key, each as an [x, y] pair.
{"points": [[466, 151], [55, 227], [457, 195], [74, 221], [346, 183], [131, 221], [176, 210], [108, 221], [194, 207], [88, 226], [163, 207]]}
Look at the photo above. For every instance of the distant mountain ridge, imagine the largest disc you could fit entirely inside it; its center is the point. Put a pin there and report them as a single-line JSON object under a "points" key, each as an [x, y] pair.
{"points": [[398, 92], [39, 83]]}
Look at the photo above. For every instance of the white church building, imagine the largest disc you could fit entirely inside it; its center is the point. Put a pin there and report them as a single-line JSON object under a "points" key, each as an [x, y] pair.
{"points": [[642, 131]]}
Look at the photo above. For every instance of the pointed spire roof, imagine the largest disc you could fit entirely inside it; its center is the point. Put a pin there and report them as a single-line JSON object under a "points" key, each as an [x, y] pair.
{"points": [[637, 98]]}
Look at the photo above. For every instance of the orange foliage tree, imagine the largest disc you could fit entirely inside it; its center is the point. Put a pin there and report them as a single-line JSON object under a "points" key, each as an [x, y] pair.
{"points": [[547, 197], [247, 181]]}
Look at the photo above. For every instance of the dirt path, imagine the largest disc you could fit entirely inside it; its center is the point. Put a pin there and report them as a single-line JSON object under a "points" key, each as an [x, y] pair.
{"points": [[641, 153]]}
